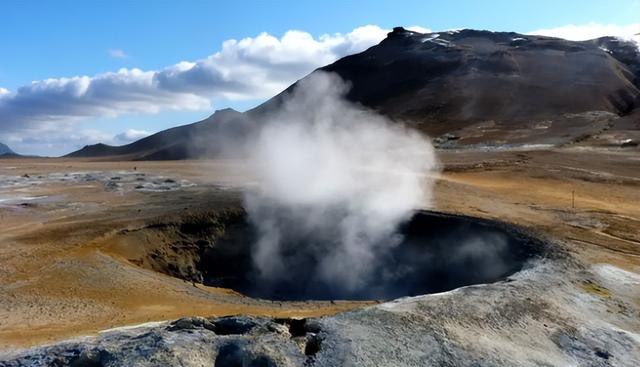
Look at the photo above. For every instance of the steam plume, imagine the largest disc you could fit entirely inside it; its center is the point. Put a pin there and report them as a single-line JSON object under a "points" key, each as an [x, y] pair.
{"points": [[336, 182]]}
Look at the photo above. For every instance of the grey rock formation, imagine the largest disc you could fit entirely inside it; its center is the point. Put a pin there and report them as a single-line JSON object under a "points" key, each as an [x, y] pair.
{"points": [[538, 317]]}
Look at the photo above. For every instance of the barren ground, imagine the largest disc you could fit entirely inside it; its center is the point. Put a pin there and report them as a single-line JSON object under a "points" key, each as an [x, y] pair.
{"points": [[65, 271]]}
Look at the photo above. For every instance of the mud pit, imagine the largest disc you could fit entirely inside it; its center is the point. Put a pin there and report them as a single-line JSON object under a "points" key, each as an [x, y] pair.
{"points": [[438, 252]]}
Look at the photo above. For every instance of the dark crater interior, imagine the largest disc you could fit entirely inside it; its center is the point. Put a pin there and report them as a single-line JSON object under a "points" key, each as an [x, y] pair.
{"points": [[438, 253]]}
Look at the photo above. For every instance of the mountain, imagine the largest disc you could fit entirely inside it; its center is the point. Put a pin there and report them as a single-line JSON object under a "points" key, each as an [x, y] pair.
{"points": [[205, 138], [6, 151], [494, 87], [463, 88]]}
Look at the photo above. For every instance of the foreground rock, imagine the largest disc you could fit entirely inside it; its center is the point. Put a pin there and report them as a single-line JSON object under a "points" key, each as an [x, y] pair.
{"points": [[542, 316]]}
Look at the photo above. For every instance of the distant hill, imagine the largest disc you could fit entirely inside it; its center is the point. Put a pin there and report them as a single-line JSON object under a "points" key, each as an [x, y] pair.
{"points": [[6, 151], [205, 138], [463, 88]]}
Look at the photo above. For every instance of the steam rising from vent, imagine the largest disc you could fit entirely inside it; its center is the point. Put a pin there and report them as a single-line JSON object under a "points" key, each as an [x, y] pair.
{"points": [[336, 181]]}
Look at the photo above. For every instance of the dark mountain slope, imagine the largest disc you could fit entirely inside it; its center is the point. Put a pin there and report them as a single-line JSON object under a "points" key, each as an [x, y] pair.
{"points": [[463, 87], [4, 149], [495, 81], [208, 137], [6, 152]]}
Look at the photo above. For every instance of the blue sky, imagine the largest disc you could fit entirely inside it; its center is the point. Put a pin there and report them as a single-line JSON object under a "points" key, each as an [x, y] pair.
{"points": [[58, 39]]}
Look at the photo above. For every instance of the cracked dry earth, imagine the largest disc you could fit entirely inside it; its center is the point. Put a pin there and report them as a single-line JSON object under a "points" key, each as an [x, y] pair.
{"points": [[69, 274]]}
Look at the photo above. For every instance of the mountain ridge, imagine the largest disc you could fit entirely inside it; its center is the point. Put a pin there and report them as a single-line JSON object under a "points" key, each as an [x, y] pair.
{"points": [[475, 86], [6, 151]]}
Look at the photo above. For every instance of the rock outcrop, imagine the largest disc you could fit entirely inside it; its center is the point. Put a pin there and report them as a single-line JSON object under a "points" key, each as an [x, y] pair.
{"points": [[538, 317]]}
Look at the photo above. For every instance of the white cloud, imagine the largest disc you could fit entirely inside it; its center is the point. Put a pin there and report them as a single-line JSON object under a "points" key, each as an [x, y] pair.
{"points": [[59, 102], [250, 68], [259, 67], [117, 53], [592, 30], [417, 28], [131, 135]]}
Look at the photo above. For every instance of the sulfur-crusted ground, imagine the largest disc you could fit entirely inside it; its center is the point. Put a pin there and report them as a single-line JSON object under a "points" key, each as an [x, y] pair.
{"points": [[71, 249]]}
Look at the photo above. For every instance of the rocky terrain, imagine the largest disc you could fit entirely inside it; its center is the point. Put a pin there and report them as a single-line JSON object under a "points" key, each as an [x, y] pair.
{"points": [[466, 88], [536, 318], [577, 304]]}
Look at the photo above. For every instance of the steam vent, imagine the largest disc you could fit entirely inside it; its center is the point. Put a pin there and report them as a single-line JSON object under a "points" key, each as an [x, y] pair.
{"points": [[434, 253]]}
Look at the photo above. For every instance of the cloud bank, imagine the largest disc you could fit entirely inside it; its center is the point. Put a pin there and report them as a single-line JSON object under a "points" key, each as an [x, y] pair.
{"points": [[592, 30], [250, 68], [131, 135]]}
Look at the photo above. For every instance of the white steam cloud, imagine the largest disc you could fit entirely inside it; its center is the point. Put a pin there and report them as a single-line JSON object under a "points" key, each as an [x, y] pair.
{"points": [[337, 179]]}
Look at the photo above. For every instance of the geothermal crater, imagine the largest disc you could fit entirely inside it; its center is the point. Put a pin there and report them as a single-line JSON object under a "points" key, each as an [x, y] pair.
{"points": [[434, 252]]}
